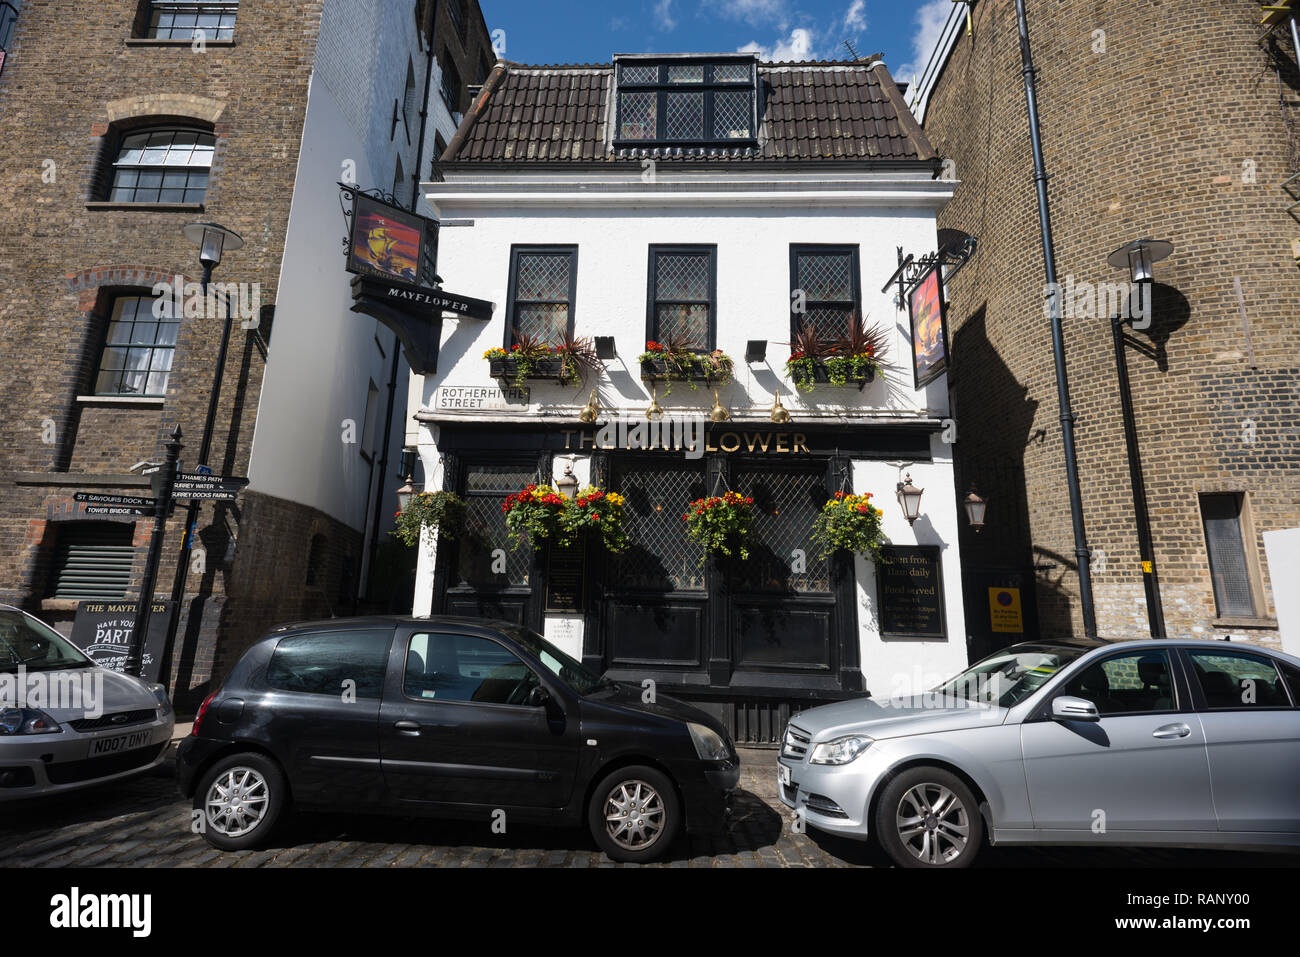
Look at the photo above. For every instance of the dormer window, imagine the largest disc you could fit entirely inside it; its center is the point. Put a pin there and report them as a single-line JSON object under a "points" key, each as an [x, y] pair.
{"points": [[686, 101]]}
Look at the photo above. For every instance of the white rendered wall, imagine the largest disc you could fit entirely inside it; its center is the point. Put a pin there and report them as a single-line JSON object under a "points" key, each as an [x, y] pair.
{"points": [[1283, 550]]}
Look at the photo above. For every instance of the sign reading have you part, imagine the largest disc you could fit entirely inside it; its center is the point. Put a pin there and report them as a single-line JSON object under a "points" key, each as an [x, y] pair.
{"points": [[102, 629]]}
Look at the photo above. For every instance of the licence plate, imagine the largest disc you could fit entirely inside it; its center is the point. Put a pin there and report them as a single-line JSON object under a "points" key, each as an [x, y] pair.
{"points": [[120, 743], [783, 774]]}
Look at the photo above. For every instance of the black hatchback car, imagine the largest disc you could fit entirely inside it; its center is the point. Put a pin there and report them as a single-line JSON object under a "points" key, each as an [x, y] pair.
{"points": [[449, 717]]}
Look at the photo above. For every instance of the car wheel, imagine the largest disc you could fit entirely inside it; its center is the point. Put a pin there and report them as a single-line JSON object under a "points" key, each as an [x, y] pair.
{"points": [[241, 798], [634, 814], [927, 817]]}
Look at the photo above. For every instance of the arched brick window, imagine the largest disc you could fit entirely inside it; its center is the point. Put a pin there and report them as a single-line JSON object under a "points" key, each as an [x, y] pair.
{"points": [[162, 165]]}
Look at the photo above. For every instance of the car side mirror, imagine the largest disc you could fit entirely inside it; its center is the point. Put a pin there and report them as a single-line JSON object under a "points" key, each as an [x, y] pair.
{"points": [[1067, 708], [538, 697]]}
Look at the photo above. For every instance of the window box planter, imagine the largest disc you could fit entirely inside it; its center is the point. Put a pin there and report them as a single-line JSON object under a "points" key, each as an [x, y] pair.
{"points": [[808, 373], [713, 369], [539, 369]]}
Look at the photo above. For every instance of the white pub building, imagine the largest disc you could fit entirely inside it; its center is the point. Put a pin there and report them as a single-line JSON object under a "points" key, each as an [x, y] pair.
{"points": [[721, 209]]}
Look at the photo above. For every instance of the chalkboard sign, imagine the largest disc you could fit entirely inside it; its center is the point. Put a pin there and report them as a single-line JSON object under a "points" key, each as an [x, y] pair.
{"points": [[566, 578], [911, 592], [102, 629]]}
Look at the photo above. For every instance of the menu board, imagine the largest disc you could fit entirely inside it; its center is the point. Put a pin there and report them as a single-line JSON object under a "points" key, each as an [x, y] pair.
{"points": [[566, 577], [911, 592]]}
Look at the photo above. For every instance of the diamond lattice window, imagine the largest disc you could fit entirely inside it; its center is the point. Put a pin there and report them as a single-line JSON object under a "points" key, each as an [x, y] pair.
{"points": [[543, 295], [827, 279], [683, 298], [685, 104], [486, 488], [661, 557], [786, 503]]}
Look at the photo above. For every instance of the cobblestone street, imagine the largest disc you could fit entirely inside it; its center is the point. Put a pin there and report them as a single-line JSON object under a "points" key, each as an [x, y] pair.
{"points": [[145, 823]]}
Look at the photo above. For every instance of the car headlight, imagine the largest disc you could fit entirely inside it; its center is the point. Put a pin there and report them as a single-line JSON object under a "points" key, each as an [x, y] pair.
{"points": [[709, 745], [841, 750], [160, 692], [26, 721]]}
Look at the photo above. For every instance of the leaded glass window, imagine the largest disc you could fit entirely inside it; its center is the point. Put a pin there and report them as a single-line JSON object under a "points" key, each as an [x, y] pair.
{"points": [[824, 280], [138, 347], [214, 20], [783, 557], [660, 557], [686, 103], [541, 300], [486, 488], [683, 296]]}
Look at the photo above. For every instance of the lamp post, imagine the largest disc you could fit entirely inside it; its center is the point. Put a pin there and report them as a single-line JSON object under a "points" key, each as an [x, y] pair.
{"points": [[144, 613], [213, 242], [1138, 257]]}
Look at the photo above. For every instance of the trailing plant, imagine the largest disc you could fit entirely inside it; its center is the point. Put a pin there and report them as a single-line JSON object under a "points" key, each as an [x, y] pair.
{"points": [[528, 354], [854, 356], [539, 514], [721, 523], [849, 523], [680, 361], [445, 511]]}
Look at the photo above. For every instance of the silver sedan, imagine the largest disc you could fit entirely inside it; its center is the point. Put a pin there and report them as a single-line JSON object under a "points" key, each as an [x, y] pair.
{"points": [[65, 722], [1176, 743]]}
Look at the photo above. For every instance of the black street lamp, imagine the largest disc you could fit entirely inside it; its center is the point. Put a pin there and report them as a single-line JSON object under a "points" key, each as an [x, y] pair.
{"points": [[1138, 257], [213, 242]]}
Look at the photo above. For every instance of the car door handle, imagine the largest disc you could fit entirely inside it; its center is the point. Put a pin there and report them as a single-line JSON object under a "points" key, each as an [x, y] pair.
{"points": [[1171, 731], [407, 727]]}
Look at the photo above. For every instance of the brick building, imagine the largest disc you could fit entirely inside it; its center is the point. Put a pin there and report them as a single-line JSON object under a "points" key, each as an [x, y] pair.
{"points": [[1168, 121], [104, 157]]}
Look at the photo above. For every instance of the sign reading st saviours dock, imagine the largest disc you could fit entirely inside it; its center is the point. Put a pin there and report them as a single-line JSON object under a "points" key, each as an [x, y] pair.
{"points": [[208, 488]]}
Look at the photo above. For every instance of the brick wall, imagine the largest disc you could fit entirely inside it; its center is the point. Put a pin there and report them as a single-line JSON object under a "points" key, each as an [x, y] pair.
{"points": [[1159, 120]]}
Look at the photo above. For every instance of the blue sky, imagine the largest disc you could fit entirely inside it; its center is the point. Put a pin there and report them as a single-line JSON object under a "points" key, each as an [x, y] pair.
{"points": [[586, 31]]}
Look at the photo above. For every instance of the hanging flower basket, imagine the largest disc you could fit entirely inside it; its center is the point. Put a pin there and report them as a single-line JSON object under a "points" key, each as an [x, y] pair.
{"points": [[849, 523], [721, 524], [539, 514], [444, 511]]}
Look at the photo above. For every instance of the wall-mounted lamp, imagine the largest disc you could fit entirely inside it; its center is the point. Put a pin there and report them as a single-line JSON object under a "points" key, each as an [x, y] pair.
{"points": [[780, 414], [567, 484], [590, 410], [655, 411], [605, 348], [719, 412], [1139, 256], [756, 350], [909, 497], [976, 507], [406, 492]]}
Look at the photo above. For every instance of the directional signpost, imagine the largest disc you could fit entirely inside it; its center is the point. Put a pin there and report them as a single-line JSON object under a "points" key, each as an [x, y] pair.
{"points": [[205, 487], [118, 505]]}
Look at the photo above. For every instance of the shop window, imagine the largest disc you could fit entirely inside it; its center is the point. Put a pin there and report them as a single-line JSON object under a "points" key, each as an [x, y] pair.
{"points": [[683, 296], [138, 347], [214, 19], [683, 103], [162, 166], [825, 291], [661, 557], [92, 560], [542, 281], [1224, 522]]}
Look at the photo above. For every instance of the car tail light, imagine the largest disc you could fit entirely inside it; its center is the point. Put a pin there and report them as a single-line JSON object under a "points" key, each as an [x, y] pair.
{"points": [[203, 710]]}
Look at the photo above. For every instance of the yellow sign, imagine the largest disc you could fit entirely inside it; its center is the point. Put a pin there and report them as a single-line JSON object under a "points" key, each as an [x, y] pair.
{"points": [[1004, 611], [1146, 567]]}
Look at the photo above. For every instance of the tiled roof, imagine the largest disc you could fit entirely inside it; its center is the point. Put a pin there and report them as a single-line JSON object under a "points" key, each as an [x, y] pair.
{"points": [[812, 112]]}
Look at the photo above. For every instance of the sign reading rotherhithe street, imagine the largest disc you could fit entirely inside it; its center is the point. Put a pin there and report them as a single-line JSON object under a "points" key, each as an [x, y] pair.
{"points": [[209, 488]]}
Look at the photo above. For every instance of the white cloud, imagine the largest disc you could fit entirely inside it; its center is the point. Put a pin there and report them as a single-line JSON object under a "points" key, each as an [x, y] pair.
{"points": [[664, 14], [855, 20], [754, 12], [797, 46], [929, 22]]}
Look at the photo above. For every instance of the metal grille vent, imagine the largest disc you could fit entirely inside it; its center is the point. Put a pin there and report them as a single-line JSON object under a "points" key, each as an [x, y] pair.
{"points": [[93, 561]]}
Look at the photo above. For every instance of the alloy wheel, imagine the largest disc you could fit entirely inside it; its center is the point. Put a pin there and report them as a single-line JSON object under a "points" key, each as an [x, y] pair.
{"points": [[932, 823], [634, 815], [236, 801]]}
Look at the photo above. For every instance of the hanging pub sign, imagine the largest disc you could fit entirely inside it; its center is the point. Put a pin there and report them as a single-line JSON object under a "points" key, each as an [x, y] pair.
{"points": [[393, 254], [929, 327]]}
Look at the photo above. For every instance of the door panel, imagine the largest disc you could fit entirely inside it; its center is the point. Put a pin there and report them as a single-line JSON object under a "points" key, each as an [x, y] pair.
{"points": [[1253, 737], [1142, 767], [454, 728]]}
